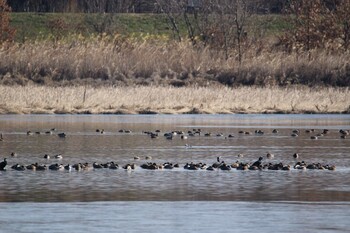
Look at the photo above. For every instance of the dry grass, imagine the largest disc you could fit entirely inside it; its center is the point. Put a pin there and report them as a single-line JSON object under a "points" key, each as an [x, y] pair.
{"points": [[142, 99], [138, 76], [120, 61]]}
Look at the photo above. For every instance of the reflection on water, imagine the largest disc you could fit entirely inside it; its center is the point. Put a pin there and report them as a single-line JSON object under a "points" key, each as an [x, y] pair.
{"points": [[84, 144], [170, 217]]}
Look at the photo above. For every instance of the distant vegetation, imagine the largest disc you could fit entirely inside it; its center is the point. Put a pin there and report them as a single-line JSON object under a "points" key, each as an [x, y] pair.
{"points": [[221, 42], [124, 6]]}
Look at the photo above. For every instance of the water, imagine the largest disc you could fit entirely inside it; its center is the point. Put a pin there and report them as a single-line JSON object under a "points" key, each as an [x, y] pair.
{"points": [[174, 200]]}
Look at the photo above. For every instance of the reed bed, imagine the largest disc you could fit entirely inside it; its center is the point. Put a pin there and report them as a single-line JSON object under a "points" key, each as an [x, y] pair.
{"points": [[171, 100], [123, 62]]}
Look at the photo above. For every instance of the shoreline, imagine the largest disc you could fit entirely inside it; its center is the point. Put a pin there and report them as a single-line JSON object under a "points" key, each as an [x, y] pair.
{"points": [[171, 100]]}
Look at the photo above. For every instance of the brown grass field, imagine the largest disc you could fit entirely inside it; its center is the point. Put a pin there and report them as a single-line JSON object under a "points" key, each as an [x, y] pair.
{"points": [[171, 100], [116, 75]]}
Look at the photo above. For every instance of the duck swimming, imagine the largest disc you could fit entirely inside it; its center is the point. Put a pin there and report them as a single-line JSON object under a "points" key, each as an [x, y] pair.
{"points": [[295, 155], [3, 164], [258, 163], [59, 156], [269, 155], [62, 135]]}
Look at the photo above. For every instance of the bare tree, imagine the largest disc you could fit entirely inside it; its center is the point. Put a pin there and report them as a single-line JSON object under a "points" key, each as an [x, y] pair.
{"points": [[222, 24], [7, 33], [342, 13], [174, 11]]}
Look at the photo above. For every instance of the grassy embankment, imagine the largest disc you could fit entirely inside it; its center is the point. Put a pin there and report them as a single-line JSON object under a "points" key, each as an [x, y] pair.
{"points": [[138, 50]]}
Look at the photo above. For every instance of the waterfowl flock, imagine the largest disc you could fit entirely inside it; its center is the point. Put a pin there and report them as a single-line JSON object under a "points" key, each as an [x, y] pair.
{"points": [[261, 163], [218, 165]]}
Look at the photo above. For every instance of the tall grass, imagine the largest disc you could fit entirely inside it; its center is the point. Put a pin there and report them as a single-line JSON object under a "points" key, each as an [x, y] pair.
{"points": [[156, 61], [152, 99]]}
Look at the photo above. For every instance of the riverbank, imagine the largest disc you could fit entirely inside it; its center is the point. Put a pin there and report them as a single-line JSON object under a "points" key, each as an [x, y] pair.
{"points": [[34, 99]]}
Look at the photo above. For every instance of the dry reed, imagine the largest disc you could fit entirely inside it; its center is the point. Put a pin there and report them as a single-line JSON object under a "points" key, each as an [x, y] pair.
{"points": [[151, 99], [117, 61]]}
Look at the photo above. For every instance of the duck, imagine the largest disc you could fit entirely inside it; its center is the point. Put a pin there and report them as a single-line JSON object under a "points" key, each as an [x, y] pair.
{"points": [[68, 167], [62, 135], [309, 130], [210, 168], [41, 168], [296, 131], [97, 165], [113, 165], [235, 164], [258, 163], [259, 132], [46, 156], [225, 167], [59, 156], [3, 164], [274, 131], [344, 132], [77, 166], [295, 155], [18, 167], [136, 158], [148, 157], [243, 166], [127, 167], [184, 137], [56, 167], [32, 166], [149, 166], [102, 131], [13, 154], [314, 137], [300, 165], [168, 136], [168, 165], [29, 133], [269, 155]]}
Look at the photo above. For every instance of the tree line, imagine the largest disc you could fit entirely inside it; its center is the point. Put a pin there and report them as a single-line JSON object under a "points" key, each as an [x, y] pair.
{"points": [[116, 6]]}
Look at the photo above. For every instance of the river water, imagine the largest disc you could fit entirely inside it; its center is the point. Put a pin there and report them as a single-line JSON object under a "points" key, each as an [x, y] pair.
{"points": [[177, 200]]}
